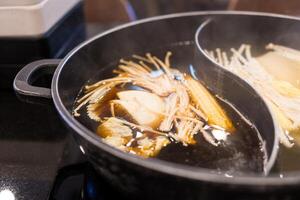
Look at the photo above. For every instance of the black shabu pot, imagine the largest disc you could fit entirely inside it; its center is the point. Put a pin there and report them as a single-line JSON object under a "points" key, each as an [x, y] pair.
{"points": [[152, 178]]}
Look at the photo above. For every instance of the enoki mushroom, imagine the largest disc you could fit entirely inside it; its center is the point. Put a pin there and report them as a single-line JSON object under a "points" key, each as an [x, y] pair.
{"points": [[170, 106], [282, 97]]}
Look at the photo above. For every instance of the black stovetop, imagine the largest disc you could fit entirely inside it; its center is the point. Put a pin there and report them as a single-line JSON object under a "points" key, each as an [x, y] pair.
{"points": [[39, 159], [34, 144]]}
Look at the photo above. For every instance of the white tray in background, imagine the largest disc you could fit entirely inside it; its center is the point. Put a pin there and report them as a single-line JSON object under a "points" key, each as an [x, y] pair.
{"points": [[18, 2], [33, 19]]}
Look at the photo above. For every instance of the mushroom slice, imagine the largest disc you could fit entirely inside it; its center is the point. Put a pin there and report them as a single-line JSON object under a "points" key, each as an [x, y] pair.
{"points": [[208, 104], [115, 133], [113, 126], [151, 147]]}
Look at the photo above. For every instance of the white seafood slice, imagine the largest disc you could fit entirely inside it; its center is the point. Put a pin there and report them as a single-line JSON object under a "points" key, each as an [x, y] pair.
{"points": [[144, 107]]}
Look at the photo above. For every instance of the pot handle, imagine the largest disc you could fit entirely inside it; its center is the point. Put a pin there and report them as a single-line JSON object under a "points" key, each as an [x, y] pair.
{"points": [[27, 75]]}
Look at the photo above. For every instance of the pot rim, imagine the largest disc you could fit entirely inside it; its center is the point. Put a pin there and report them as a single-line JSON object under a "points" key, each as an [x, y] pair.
{"points": [[179, 170]]}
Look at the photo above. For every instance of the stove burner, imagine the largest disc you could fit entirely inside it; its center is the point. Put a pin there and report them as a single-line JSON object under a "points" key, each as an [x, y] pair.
{"points": [[81, 182]]}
